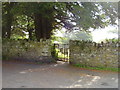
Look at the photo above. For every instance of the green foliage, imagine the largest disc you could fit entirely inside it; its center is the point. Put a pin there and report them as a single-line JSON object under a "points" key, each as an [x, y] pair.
{"points": [[73, 35], [61, 55], [54, 52], [97, 68], [61, 14], [57, 54], [112, 40], [16, 37]]}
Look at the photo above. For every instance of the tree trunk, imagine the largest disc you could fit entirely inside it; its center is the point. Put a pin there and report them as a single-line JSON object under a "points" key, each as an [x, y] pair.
{"points": [[38, 28], [9, 24], [43, 27], [48, 28], [30, 34], [9, 18], [44, 31], [3, 32], [6, 29]]}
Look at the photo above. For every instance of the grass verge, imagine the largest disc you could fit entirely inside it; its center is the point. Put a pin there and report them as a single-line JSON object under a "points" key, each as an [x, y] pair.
{"points": [[98, 68]]}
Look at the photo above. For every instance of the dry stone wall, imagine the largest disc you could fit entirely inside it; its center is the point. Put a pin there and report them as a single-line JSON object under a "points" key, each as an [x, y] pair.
{"points": [[94, 54], [28, 50]]}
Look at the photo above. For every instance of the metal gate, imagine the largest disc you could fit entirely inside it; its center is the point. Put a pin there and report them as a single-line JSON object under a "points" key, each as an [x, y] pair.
{"points": [[62, 51]]}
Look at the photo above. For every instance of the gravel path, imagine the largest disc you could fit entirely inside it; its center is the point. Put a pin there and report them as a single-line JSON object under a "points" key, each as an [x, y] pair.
{"points": [[60, 75]]}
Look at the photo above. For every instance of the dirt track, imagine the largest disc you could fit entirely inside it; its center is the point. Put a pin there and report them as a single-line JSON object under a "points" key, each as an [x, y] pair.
{"points": [[60, 75]]}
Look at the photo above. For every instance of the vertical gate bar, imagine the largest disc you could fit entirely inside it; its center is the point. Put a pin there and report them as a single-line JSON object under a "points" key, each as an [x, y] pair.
{"points": [[58, 51], [68, 54], [54, 51], [64, 51]]}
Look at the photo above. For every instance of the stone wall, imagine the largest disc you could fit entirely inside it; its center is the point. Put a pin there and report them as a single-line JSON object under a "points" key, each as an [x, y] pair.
{"points": [[28, 50], [94, 54]]}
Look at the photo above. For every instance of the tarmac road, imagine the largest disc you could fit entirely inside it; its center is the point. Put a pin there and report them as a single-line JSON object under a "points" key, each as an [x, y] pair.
{"points": [[59, 75]]}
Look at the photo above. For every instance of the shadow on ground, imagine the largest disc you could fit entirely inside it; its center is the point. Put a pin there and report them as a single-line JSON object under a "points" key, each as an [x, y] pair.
{"points": [[55, 75]]}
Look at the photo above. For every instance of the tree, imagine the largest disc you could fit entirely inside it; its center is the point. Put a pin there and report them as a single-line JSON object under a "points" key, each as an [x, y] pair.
{"points": [[50, 15], [23, 26], [7, 19], [93, 15], [63, 37]]}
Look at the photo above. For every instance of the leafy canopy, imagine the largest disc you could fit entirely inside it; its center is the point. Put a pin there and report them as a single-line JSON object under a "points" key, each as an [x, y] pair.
{"points": [[71, 15]]}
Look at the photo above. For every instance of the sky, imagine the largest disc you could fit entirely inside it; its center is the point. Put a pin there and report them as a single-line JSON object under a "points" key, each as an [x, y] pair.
{"points": [[99, 35], [102, 34]]}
